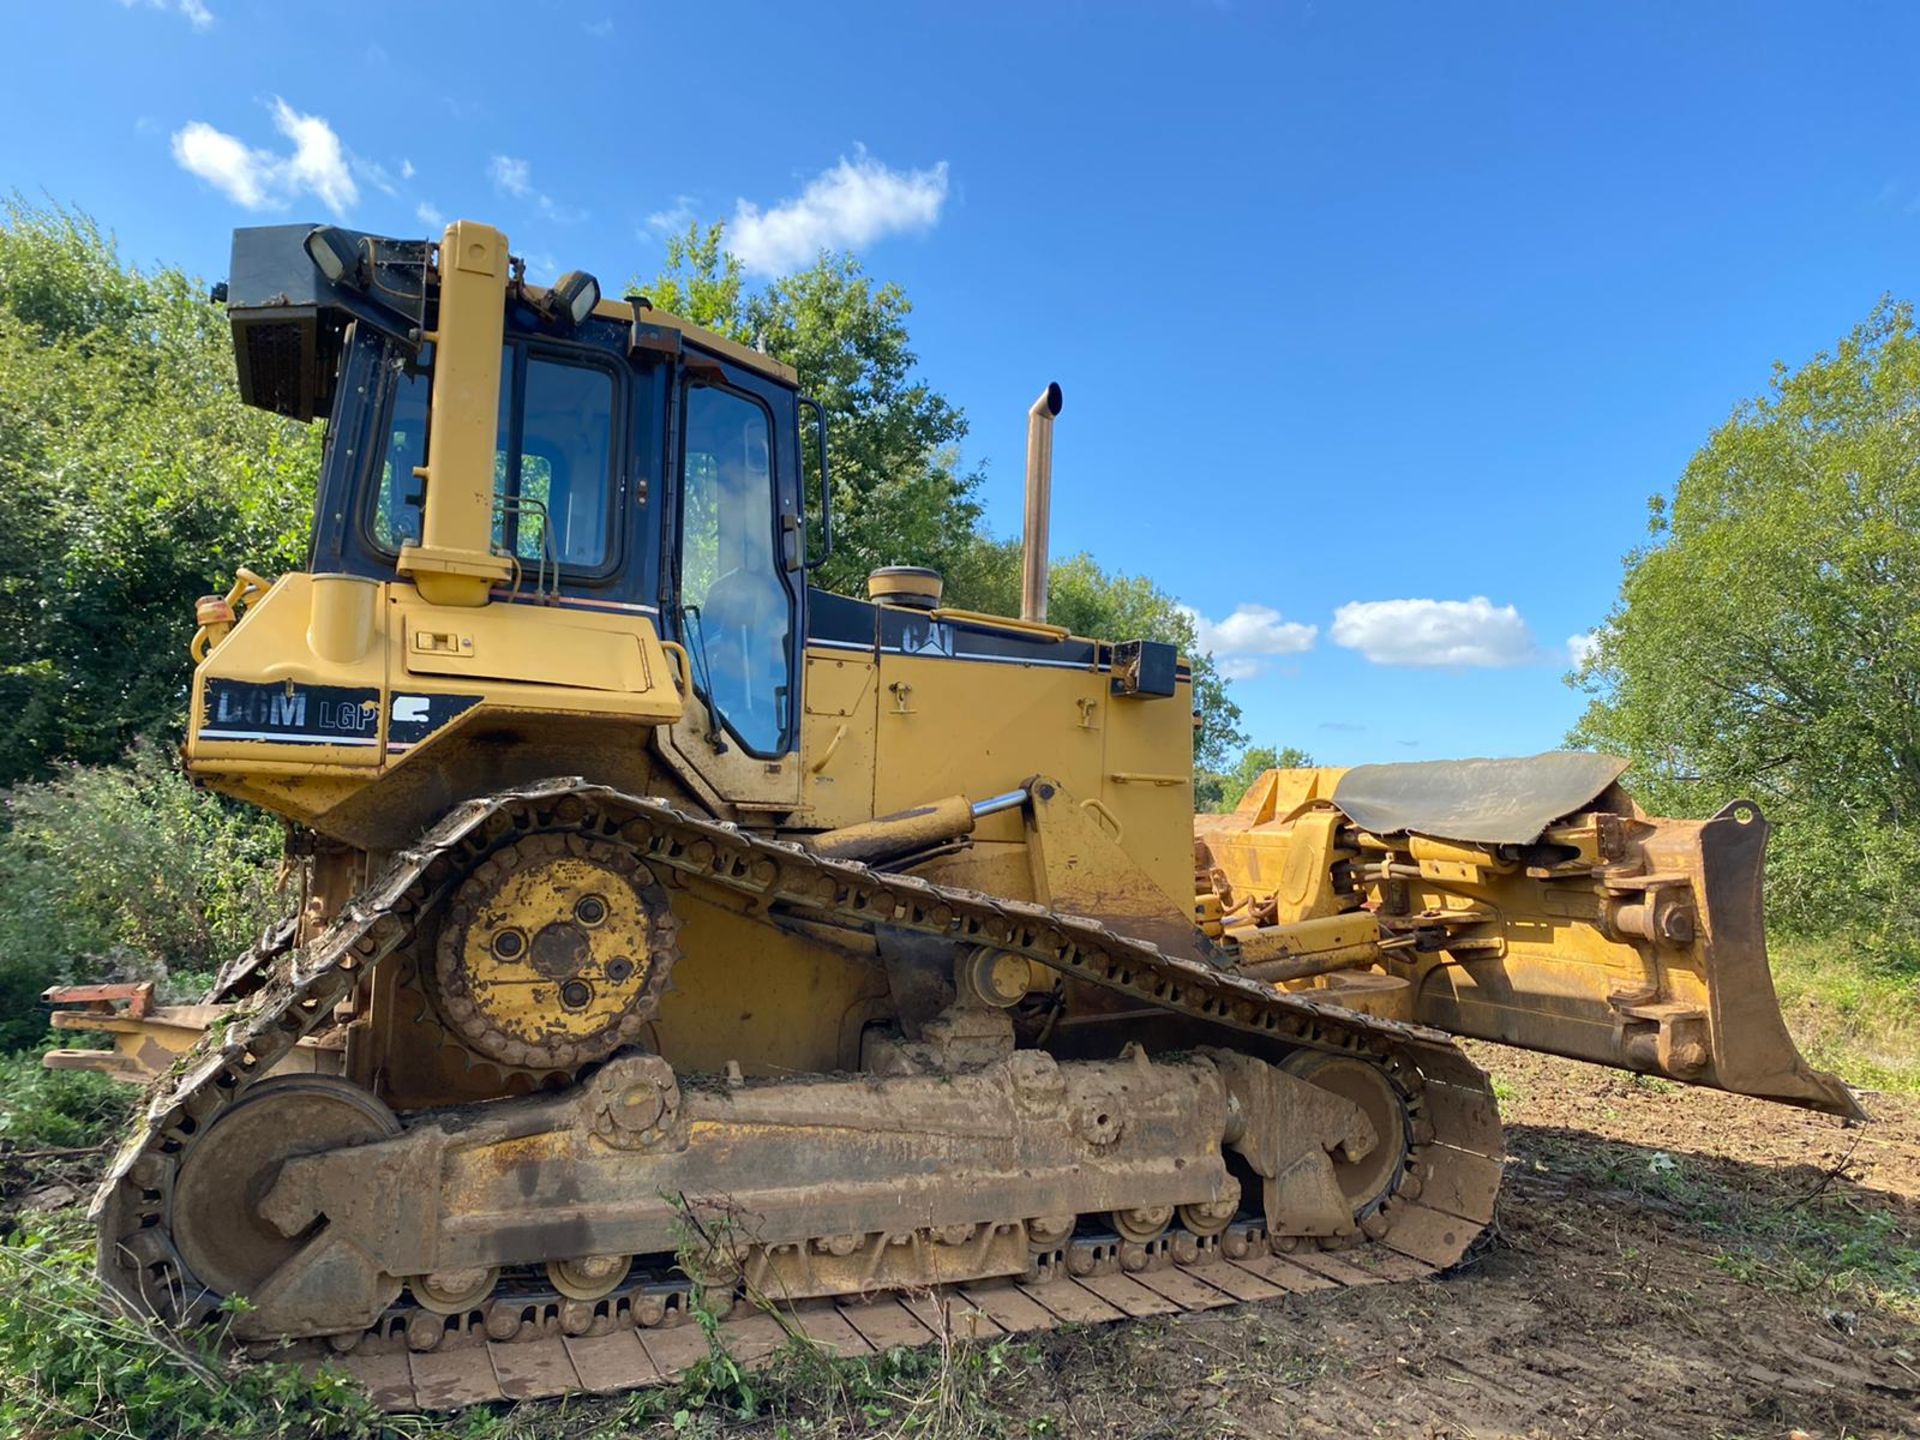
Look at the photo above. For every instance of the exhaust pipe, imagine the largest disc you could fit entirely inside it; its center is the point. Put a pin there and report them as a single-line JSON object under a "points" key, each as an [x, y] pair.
{"points": [[1033, 574]]}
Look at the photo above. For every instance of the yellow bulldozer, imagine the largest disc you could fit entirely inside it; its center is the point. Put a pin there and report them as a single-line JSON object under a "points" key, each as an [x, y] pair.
{"points": [[675, 934]]}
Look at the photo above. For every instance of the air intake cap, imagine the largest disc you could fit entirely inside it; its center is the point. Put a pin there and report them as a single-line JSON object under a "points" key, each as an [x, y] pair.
{"points": [[913, 586]]}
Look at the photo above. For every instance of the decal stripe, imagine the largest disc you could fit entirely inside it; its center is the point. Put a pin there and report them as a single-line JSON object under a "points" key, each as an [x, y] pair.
{"points": [[284, 737]]}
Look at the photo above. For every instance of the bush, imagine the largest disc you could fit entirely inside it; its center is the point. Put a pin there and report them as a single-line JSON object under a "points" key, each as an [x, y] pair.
{"points": [[1851, 1010], [1766, 638], [41, 1107], [123, 872], [132, 480]]}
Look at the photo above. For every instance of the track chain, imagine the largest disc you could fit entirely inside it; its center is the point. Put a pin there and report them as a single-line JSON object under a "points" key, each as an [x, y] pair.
{"points": [[1443, 1199]]}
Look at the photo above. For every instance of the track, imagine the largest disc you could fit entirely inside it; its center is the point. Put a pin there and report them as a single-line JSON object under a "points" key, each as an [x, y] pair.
{"points": [[615, 1354], [522, 1342]]}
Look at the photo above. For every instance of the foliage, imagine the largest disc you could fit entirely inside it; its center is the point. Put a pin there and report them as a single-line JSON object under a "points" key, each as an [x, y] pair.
{"points": [[61, 1108], [1766, 642], [898, 496], [1219, 792], [131, 481], [1847, 1013], [123, 871], [70, 1367]]}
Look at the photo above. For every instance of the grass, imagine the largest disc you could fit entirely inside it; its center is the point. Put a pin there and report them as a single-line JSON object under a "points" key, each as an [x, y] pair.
{"points": [[1827, 1244], [58, 1108], [70, 1366], [942, 1392], [1849, 1012]]}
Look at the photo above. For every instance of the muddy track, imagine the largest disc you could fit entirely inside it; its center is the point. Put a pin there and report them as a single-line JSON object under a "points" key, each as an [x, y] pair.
{"points": [[517, 1340]]}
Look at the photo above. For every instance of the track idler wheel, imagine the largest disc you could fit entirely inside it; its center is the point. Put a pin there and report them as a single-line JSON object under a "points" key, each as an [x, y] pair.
{"points": [[591, 1277], [1210, 1218], [1369, 1179], [215, 1211], [1143, 1224], [450, 1292]]}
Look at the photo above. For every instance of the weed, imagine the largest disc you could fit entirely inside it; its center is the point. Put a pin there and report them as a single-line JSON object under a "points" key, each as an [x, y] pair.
{"points": [[58, 1108], [1850, 1012], [1829, 1245], [72, 1366]]}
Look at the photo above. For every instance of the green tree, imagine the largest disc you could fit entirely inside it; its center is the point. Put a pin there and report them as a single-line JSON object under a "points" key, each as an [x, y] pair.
{"points": [[899, 495], [1766, 642], [131, 481], [1221, 791]]}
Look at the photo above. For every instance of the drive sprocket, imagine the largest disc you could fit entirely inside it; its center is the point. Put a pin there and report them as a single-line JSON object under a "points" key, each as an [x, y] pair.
{"points": [[554, 952]]}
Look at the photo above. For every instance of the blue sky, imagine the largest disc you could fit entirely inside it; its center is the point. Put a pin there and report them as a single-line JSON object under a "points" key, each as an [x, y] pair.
{"points": [[1378, 323]]}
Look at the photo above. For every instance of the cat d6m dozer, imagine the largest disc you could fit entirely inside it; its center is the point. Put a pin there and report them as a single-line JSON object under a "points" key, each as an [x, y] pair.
{"points": [[674, 932]]}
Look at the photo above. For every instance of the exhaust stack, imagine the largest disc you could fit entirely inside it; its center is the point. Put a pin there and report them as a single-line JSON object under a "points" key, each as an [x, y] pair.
{"points": [[1033, 576]]}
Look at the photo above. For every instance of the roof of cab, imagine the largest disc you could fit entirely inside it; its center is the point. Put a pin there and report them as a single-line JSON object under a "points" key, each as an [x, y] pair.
{"points": [[720, 345]]}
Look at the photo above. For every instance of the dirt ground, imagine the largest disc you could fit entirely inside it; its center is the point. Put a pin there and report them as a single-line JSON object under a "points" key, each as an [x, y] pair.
{"points": [[1669, 1263]]}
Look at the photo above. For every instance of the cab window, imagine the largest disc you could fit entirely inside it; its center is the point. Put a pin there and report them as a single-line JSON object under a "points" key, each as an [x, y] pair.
{"points": [[553, 470], [560, 477], [738, 613]]}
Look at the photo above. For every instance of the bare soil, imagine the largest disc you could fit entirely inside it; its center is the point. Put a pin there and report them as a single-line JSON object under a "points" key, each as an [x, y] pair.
{"points": [[1668, 1262]]}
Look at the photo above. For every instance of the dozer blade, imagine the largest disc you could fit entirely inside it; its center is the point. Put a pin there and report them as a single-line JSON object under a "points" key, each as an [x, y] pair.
{"points": [[1752, 1052], [1449, 894], [1693, 1000]]}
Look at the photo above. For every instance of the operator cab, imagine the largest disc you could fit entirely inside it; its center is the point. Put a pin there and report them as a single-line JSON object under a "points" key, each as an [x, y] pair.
{"points": [[640, 464]]}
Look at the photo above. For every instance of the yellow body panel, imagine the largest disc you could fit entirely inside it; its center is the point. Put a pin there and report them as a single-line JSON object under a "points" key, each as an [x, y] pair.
{"points": [[837, 738], [507, 659], [775, 1002], [952, 726]]}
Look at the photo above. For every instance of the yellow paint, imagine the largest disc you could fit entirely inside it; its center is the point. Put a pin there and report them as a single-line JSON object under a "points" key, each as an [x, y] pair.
{"points": [[779, 1002], [514, 991], [523, 660], [454, 563]]}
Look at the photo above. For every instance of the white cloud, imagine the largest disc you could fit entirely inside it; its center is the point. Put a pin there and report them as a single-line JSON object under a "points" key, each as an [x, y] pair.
{"points": [[855, 203], [1580, 646], [226, 163], [1435, 633], [262, 179], [675, 219], [1244, 642], [407, 172], [511, 175], [599, 29], [195, 11], [430, 216], [514, 177]]}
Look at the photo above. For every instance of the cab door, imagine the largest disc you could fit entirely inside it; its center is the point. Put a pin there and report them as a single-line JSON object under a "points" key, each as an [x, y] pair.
{"points": [[736, 588]]}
